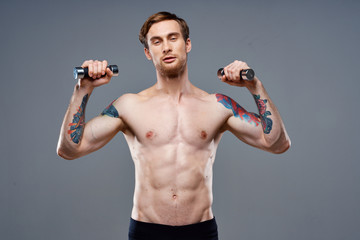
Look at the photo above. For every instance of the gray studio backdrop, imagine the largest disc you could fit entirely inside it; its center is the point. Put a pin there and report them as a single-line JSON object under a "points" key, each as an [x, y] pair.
{"points": [[306, 54]]}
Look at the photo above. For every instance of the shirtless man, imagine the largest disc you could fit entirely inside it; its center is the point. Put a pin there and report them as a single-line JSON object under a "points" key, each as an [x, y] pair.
{"points": [[173, 129]]}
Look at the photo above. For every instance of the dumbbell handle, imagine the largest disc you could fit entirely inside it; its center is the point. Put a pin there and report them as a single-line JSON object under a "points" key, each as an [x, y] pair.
{"points": [[80, 72], [246, 74]]}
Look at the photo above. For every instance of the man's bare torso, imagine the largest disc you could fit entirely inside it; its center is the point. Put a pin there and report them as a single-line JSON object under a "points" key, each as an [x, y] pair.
{"points": [[173, 145]]}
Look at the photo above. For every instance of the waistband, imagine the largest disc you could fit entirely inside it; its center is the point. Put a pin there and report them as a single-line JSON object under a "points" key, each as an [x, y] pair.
{"points": [[201, 230]]}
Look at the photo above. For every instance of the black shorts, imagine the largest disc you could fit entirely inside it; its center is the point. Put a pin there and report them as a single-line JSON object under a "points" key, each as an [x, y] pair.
{"points": [[148, 231]]}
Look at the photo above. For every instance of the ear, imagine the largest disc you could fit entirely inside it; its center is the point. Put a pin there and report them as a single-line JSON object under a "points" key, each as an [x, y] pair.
{"points": [[147, 54], [188, 45]]}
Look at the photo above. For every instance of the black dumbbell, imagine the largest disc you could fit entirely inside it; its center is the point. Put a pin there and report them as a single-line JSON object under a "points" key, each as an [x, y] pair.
{"points": [[80, 72], [246, 74]]}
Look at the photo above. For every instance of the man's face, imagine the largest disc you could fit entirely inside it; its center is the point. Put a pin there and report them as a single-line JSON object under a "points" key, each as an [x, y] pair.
{"points": [[167, 48]]}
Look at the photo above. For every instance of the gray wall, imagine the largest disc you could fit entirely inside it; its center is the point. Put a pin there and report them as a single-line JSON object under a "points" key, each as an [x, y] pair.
{"points": [[306, 54]]}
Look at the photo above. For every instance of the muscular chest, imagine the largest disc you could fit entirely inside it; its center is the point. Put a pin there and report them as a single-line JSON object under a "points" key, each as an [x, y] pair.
{"points": [[191, 121]]}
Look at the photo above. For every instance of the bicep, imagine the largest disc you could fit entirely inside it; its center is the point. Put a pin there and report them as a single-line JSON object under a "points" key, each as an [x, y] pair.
{"points": [[248, 131], [99, 131], [245, 125]]}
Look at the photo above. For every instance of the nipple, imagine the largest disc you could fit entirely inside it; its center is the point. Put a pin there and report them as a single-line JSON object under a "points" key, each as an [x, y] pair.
{"points": [[203, 134], [149, 134]]}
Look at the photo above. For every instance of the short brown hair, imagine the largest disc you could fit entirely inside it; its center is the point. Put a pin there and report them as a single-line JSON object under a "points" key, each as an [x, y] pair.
{"points": [[159, 17]]}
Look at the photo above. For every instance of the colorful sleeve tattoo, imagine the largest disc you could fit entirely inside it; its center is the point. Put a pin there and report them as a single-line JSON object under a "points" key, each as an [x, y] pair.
{"points": [[110, 111], [77, 125], [237, 110], [249, 117], [265, 121]]}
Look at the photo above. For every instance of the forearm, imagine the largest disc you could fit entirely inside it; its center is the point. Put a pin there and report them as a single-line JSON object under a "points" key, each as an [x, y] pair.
{"points": [[73, 125], [275, 135]]}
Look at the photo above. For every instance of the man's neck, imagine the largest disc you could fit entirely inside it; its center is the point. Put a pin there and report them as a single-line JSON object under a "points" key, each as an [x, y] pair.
{"points": [[174, 87]]}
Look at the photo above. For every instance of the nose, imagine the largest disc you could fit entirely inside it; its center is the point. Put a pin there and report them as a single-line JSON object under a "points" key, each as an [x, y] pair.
{"points": [[166, 47]]}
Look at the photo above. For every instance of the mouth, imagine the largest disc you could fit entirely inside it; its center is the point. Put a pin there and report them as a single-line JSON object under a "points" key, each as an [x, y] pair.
{"points": [[169, 59]]}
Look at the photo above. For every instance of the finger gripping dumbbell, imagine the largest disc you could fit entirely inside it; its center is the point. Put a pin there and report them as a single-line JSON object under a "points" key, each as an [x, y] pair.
{"points": [[246, 74], [80, 72]]}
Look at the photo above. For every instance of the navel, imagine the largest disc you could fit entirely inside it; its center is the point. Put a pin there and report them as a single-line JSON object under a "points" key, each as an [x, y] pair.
{"points": [[174, 196]]}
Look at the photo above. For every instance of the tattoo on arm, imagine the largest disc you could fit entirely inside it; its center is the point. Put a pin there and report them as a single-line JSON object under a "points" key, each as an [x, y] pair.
{"points": [[110, 111], [237, 110], [265, 121], [249, 117], [77, 125]]}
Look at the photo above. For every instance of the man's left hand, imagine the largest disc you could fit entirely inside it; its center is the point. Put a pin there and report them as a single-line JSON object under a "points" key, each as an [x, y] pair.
{"points": [[232, 74]]}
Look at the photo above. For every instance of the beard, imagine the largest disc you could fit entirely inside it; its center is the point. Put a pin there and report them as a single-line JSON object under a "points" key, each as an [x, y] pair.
{"points": [[172, 70]]}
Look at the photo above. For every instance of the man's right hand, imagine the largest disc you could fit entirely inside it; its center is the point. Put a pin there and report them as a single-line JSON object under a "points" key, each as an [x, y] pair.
{"points": [[96, 69]]}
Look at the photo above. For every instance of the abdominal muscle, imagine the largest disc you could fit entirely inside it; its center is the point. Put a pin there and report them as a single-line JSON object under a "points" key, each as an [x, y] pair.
{"points": [[173, 184]]}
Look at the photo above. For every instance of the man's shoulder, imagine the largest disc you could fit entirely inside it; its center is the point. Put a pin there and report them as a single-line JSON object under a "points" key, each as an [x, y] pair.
{"points": [[203, 95], [143, 94], [211, 97], [125, 97], [124, 100], [129, 99]]}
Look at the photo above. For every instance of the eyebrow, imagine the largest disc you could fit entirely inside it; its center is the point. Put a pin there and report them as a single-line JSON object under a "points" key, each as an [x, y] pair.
{"points": [[170, 34]]}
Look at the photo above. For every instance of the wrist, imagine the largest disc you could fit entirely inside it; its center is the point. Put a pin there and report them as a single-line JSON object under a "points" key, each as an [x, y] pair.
{"points": [[254, 86], [83, 88]]}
